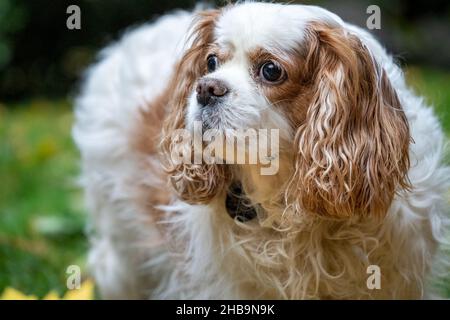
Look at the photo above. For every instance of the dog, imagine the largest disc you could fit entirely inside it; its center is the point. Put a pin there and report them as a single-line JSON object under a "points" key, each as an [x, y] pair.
{"points": [[360, 183]]}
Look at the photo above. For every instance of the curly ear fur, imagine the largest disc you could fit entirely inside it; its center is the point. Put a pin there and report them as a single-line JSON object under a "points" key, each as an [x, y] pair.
{"points": [[194, 183], [352, 149]]}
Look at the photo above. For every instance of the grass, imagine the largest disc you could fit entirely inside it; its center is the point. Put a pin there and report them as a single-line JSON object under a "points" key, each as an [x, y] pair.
{"points": [[41, 215], [41, 208], [434, 85]]}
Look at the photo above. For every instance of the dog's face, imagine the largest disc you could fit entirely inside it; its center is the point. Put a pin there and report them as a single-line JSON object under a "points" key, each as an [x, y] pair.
{"points": [[296, 69], [250, 69]]}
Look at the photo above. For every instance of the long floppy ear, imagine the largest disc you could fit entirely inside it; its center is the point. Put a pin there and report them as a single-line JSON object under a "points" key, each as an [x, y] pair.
{"points": [[194, 183], [352, 150]]}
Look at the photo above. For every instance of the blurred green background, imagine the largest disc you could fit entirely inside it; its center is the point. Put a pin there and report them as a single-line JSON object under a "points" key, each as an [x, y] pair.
{"points": [[42, 218]]}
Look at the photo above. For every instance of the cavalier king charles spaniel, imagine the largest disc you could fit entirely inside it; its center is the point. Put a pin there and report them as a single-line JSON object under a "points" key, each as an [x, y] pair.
{"points": [[360, 187]]}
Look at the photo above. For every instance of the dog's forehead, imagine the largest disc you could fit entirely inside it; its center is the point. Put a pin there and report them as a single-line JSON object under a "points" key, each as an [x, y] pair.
{"points": [[264, 25]]}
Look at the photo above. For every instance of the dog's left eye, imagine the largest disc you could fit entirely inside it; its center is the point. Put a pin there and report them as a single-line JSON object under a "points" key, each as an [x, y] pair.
{"points": [[212, 62], [271, 72]]}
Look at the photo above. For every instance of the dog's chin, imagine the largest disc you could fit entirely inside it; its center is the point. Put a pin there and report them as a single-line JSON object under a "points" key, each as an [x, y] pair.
{"points": [[213, 118]]}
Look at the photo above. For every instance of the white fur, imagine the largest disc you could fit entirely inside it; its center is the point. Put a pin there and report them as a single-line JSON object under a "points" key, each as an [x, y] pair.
{"points": [[216, 257]]}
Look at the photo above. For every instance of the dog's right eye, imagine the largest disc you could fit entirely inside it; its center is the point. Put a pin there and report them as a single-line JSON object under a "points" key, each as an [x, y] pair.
{"points": [[212, 62]]}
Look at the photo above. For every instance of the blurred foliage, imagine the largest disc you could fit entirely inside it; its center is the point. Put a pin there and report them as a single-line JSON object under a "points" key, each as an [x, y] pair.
{"points": [[45, 58], [84, 292], [416, 32], [12, 18], [41, 215], [434, 86]]}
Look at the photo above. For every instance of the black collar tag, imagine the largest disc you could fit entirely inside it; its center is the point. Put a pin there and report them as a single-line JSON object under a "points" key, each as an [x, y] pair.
{"points": [[238, 205]]}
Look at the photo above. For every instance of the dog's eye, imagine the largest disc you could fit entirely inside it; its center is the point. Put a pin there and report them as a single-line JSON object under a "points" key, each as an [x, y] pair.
{"points": [[271, 72], [212, 62]]}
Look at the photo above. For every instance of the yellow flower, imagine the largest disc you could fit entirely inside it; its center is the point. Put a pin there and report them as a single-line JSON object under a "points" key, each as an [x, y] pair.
{"points": [[13, 294], [85, 292], [52, 295]]}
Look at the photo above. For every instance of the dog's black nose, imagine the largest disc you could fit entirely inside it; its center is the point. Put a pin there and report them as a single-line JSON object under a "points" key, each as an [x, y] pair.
{"points": [[209, 91]]}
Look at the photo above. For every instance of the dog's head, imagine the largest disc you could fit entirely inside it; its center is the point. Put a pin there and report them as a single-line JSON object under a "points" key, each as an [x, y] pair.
{"points": [[297, 69]]}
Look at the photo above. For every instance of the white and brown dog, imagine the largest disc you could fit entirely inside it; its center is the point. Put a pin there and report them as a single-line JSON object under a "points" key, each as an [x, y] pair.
{"points": [[360, 179]]}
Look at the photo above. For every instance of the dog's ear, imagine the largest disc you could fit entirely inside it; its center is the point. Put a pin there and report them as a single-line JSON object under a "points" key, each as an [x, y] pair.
{"points": [[194, 183], [352, 149]]}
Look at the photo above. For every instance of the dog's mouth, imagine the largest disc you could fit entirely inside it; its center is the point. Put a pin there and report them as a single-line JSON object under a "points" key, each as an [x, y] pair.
{"points": [[214, 118], [238, 205]]}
